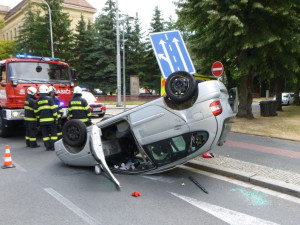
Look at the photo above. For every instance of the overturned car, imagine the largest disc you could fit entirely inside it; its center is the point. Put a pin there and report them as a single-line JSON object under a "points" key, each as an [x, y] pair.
{"points": [[193, 118]]}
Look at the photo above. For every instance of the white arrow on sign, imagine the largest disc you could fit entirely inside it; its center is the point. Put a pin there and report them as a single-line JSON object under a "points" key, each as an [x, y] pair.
{"points": [[175, 41], [166, 57]]}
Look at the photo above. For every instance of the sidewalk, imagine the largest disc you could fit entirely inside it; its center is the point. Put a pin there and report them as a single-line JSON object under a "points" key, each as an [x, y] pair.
{"points": [[267, 177]]}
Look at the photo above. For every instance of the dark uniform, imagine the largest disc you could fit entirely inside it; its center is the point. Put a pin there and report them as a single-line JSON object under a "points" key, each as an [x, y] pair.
{"points": [[79, 109], [47, 116], [59, 117], [52, 92], [30, 119]]}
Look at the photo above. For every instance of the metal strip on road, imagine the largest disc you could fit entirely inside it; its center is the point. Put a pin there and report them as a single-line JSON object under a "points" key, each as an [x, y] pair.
{"points": [[245, 184], [79, 212], [227, 215]]}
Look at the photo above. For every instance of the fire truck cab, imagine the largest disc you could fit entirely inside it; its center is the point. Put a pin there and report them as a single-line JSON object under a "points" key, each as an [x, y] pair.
{"points": [[20, 73]]}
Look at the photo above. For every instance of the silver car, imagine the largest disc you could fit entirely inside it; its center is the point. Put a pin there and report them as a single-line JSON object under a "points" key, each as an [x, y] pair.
{"points": [[193, 118]]}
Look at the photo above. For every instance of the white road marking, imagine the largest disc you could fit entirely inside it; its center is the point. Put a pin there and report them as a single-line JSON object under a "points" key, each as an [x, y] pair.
{"points": [[229, 216], [245, 184], [79, 212]]}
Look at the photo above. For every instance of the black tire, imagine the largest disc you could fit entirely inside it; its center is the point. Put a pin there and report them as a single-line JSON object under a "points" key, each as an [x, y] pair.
{"points": [[101, 115], [180, 86], [74, 133], [4, 131]]}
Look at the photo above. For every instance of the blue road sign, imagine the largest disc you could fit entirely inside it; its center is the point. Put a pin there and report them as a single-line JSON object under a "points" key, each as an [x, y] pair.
{"points": [[171, 53]]}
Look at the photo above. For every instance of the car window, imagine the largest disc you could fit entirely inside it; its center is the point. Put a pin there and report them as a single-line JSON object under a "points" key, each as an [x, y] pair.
{"points": [[89, 97], [285, 95], [176, 148]]}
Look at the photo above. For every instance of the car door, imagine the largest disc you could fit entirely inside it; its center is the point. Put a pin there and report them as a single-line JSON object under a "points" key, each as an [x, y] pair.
{"points": [[155, 122]]}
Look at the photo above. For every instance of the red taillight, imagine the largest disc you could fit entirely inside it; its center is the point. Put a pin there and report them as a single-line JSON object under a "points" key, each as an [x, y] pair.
{"points": [[216, 107]]}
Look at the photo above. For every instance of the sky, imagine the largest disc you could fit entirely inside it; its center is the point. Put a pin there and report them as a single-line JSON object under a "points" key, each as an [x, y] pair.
{"points": [[144, 8]]}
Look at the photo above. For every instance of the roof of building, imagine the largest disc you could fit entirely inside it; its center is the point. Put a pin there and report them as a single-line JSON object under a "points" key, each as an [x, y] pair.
{"points": [[81, 3]]}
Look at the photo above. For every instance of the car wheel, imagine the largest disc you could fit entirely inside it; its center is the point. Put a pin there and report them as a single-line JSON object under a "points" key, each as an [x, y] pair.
{"points": [[74, 133], [101, 115], [180, 86]]}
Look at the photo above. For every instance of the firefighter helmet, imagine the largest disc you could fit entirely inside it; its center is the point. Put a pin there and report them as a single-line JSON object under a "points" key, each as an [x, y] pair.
{"points": [[43, 89], [31, 90], [51, 89], [77, 90]]}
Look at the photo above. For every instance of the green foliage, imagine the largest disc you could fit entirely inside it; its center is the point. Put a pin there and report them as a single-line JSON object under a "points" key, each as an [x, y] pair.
{"points": [[7, 49], [34, 36], [2, 24], [247, 36]]}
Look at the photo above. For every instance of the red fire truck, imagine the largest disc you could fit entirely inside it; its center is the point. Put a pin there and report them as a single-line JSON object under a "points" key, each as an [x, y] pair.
{"points": [[20, 73]]}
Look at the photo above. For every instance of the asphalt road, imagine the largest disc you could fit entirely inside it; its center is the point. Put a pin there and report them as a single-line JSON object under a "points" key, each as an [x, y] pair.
{"points": [[42, 190], [271, 152]]}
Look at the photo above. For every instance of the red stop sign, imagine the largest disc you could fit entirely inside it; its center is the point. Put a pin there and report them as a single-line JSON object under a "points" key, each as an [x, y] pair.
{"points": [[217, 69]]}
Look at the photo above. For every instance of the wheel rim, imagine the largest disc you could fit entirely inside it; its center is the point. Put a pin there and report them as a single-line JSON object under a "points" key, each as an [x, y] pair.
{"points": [[73, 133], [179, 86]]}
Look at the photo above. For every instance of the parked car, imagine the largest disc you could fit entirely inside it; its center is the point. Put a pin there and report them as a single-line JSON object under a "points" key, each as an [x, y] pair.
{"points": [[97, 107], [286, 98], [193, 118]]}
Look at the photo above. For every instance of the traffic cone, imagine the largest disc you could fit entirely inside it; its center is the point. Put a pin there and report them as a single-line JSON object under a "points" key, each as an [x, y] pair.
{"points": [[7, 159]]}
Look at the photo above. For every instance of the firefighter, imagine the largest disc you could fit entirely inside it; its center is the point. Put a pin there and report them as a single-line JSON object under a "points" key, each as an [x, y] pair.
{"points": [[79, 108], [52, 93], [47, 117], [30, 118]]}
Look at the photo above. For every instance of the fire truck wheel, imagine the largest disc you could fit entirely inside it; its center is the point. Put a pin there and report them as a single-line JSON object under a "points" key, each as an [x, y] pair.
{"points": [[4, 131], [74, 133], [180, 86]]}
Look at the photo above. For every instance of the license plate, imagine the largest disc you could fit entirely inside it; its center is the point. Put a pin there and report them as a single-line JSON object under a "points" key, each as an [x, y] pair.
{"points": [[96, 109]]}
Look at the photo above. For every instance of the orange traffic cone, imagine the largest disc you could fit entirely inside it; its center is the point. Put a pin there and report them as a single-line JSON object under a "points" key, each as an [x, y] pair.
{"points": [[7, 159]]}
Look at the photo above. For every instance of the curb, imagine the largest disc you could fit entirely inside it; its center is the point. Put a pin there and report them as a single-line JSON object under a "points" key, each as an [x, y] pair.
{"points": [[252, 178]]}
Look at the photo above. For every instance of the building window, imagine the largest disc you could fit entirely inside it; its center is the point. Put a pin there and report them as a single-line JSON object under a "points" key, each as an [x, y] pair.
{"points": [[15, 33], [11, 37]]}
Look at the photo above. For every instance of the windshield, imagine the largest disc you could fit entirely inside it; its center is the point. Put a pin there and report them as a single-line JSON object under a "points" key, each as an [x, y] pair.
{"points": [[89, 97], [27, 72]]}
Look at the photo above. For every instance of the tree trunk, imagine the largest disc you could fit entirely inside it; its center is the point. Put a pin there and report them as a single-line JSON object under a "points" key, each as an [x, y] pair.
{"points": [[278, 91], [296, 94], [230, 83], [245, 95]]}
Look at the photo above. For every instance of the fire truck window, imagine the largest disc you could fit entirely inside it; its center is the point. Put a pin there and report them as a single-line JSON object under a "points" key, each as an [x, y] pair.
{"points": [[2, 73]]}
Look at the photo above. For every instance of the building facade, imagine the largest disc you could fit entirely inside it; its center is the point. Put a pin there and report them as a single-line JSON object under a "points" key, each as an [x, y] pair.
{"points": [[13, 18]]}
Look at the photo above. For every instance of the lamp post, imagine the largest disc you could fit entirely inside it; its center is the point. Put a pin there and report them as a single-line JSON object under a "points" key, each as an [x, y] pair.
{"points": [[50, 22], [118, 57], [129, 18]]}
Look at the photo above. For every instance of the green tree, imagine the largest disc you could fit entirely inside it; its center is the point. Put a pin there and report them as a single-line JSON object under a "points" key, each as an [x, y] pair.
{"points": [[2, 24], [104, 49], [150, 79], [34, 36], [135, 51], [7, 49], [241, 34]]}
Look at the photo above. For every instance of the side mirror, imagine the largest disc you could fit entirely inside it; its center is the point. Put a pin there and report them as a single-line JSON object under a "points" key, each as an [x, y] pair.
{"points": [[73, 74]]}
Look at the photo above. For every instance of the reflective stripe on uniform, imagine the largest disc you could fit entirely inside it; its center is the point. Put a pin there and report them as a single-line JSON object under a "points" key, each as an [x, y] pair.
{"points": [[44, 107], [32, 139], [89, 114], [46, 139], [46, 119], [75, 102], [42, 102], [29, 108], [59, 134], [53, 137], [30, 119], [84, 120], [77, 108]]}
